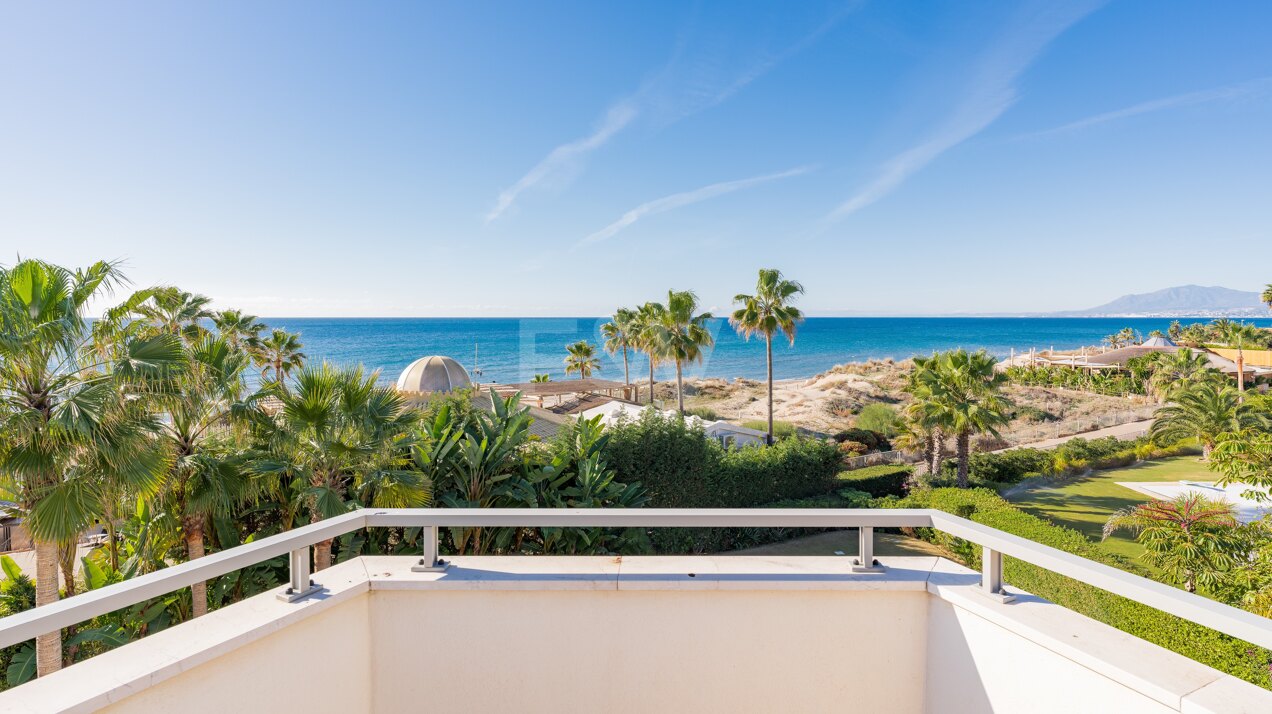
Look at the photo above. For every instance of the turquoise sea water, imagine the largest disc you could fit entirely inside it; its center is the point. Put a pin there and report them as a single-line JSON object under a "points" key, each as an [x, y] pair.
{"points": [[515, 349]]}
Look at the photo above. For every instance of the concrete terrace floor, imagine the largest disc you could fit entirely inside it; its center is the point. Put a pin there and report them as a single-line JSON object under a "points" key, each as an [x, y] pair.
{"points": [[1085, 503]]}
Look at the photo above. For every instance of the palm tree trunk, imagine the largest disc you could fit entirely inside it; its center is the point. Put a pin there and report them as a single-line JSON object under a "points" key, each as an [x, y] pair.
{"points": [[193, 527], [322, 555], [938, 452], [680, 388], [48, 647], [964, 449], [768, 339], [627, 378], [110, 537], [651, 380], [66, 557], [1240, 370]]}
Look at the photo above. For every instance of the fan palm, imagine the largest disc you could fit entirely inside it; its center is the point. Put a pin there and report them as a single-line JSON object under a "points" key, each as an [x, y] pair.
{"points": [[1238, 334], [645, 334], [1191, 538], [278, 355], [177, 312], [1178, 371], [70, 418], [1203, 412], [767, 313], [207, 477], [1266, 297], [339, 434], [680, 336], [619, 334], [238, 328], [957, 391], [581, 359]]}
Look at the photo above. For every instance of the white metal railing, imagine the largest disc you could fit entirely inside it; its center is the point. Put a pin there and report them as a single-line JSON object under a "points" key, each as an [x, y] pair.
{"points": [[298, 542]]}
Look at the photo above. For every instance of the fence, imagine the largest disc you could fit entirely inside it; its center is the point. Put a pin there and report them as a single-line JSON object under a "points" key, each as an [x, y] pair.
{"points": [[1058, 429], [298, 543]]}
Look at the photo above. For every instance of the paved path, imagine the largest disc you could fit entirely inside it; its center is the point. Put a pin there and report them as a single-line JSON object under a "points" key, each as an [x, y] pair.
{"points": [[26, 560], [1126, 432]]}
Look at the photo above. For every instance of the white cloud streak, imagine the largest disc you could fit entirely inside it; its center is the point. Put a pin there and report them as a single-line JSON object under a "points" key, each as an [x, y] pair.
{"points": [[992, 92], [1254, 87], [687, 198], [566, 156]]}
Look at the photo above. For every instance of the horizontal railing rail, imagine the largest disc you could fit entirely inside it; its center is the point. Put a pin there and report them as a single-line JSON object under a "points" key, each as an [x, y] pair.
{"points": [[297, 543]]}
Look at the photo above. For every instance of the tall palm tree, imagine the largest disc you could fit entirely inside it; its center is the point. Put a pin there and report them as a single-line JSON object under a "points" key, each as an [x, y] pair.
{"points": [[680, 336], [207, 477], [581, 359], [176, 311], [1266, 297], [1238, 334], [1203, 412], [959, 392], [619, 334], [69, 417], [338, 434], [1175, 372], [1193, 539], [645, 330], [766, 313], [238, 328], [278, 355]]}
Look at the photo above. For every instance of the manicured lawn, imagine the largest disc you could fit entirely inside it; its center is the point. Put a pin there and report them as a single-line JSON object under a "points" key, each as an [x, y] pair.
{"points": [[1086, 503]]}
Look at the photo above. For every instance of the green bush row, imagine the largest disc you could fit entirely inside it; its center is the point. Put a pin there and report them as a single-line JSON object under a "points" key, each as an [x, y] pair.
{"points": [[1225, 653], [878, 481], [1073, 456]]}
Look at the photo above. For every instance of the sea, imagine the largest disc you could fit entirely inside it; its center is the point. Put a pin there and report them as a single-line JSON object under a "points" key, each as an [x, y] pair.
{"points": [[516, 349]]}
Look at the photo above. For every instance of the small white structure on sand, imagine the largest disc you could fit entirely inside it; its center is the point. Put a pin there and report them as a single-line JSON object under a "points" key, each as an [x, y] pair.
{"points": [[1245, 509], [722, 431], [434, 373]]}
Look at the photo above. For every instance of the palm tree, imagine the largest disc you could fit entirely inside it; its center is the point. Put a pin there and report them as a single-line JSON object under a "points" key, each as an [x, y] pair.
{"points": [[278, 356], [177, 312], [766, 313], [582, 359], [1203, 412], [680, 336], [1266, 297], [541, 378], [337, 434], [620, 334], [958, 392], [1193, 539], [1238, 334], [1178, 371], [69, 418], [206, 478], [645, 337], [238, 328]]}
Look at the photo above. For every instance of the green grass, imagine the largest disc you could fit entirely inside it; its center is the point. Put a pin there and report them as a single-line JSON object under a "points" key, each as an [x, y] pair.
{"points": [[1086, 503]]}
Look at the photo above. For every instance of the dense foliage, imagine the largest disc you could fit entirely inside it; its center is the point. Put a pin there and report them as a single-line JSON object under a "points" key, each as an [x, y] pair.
{"points": [[878, 481]]}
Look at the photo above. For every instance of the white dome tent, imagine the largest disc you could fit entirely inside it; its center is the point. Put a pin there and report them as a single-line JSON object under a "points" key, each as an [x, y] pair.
{"points": [[434, 373]]}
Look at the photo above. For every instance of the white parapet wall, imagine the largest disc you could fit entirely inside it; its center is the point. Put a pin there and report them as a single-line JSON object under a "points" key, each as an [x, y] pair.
{"points": [[666, 634]]}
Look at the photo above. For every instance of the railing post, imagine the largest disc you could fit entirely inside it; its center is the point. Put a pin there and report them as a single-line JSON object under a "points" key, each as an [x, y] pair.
{"points": [[300, 585], [992, 575], [865, 562], [430, 563]]}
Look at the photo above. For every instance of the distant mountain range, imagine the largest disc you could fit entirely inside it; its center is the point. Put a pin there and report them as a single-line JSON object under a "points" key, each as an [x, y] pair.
{"points": [[1182, 301]]}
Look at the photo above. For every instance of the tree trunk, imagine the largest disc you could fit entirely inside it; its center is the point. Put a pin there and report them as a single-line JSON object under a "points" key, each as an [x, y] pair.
{"points": [[1240, 371], [964, 450], [193, 527], [627, 378], [66, 558], [1190, 582], [768, 351], [48, 647], [322, 555], [938, 452], [651, 381], [111, 542], [680, 388], [1206, 448]]}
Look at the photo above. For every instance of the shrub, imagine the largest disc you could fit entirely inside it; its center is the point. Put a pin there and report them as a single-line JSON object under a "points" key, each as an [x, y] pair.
{"points": [[878, 481], [1227, 654], [853, 448], [1032, 415], [705, 413], [873, 440], [879, 418], [781, 429]]}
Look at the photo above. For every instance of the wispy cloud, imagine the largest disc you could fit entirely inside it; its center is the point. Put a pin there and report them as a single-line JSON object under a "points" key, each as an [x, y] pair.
{"points": [[1252, 88], [566, 156], [992, 92], [690, 82], [680, 200]]}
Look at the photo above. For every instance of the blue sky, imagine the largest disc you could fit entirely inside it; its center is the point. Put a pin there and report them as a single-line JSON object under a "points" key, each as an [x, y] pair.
{"points": [[553, 158]]}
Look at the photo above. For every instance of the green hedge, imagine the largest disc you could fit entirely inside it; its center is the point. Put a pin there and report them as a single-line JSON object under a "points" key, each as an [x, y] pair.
{"points": [[878, 481], [1227, 654], [1073, 456], [719, 540]]}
